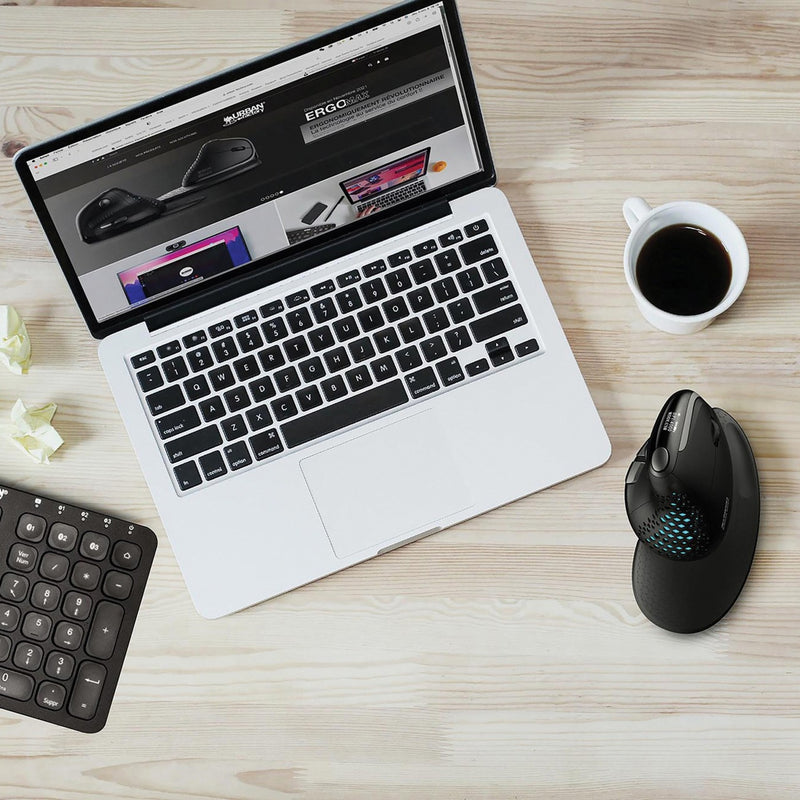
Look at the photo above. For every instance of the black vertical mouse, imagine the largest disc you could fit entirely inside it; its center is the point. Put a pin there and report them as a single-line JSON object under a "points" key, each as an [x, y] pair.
{"points": [[692, 498]]}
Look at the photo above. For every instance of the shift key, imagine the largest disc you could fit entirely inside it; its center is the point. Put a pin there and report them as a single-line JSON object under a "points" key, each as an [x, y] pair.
{"points": [[105, 629], [498, 323], [193, 443]]}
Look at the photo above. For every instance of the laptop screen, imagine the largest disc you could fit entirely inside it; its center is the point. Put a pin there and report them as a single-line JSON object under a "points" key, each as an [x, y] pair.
{"points": [[272, 157]]}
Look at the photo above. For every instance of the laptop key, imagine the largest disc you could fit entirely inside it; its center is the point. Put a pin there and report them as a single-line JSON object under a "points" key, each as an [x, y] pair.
{"points": [[177, 422], [212, 409], [433, 348], [445, 290], [500, 294], [165, 400], [358, 407], [398, 281], [499, 351], [246, 368], [187, 475], [333, 388], [374, 268], [478, 249], [271, 358], [258, 418], [370, 319], [477, 367], [271, 309], [249, 340], [213, 465], [349, 300], [238, 455], [337, 359], [220, 329], [494, 270], [233, 427], [411, 330], [266, 444], [286, 379], [237, 399], [296, 348], [358, 378], [501, 321], [221, 378], [458, 339], [150, 379], [361, 349], [175, 369], [312, 369], [319, 289], [402, 257], [423, 271], [261, 389], [193, 443], [408, 358], [283, 408], [224, 349], [461, 310], [420, 299], [423, 248], [324, 310], [383, 368], [194, 339], [247, 318], [309, 398], [436, 320], [474, 228], [297, 298], [373, 290], [299, 320], [469, 280], [453, 237], [422, 382], [143, 359], [345, 328], [447, 261], [348, 278], [450, 372], [199, 359], [395, 309], [386, 340], [274, 329], [168, 349], [321, 339]]}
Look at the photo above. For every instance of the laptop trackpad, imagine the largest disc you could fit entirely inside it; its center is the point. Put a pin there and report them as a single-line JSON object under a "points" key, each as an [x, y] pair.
{"points": [[401, 479]]}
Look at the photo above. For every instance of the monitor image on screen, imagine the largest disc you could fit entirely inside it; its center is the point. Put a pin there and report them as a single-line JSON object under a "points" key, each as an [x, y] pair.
{"points": [[386, 176]]}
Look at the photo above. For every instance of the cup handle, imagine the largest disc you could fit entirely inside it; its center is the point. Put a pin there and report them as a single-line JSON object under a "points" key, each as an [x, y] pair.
{"points": [[633, 209]]}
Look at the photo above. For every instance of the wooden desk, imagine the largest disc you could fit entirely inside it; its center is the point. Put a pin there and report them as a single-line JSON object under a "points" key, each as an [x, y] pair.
{"points": [[505, 658]]}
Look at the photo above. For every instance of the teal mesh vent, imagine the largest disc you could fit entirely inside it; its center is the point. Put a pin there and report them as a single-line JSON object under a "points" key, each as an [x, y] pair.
{"points": [[676, 529]]}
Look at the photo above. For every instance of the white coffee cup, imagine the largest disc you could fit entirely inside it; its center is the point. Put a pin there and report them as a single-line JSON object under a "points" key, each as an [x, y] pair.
{"points": [[644, 221]]}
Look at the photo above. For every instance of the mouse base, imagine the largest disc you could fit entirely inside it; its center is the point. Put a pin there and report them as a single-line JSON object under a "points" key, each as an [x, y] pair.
{"points": [[690, 596]]}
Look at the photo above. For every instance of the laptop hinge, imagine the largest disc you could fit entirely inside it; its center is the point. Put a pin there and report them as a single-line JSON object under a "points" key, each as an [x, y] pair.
{"points": [[238, 286]]}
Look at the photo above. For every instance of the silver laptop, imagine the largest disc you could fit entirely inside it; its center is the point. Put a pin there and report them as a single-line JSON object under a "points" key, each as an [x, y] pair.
{"points": [[297, 409]]}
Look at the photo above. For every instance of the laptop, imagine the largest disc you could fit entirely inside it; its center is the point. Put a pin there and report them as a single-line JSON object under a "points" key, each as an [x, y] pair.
{"points": [[388, 184], [325, 402]]}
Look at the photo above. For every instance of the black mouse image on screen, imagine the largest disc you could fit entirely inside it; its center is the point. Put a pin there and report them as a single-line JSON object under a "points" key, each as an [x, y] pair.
{"points": [[218, 160], [692, 498], [114, 211]]}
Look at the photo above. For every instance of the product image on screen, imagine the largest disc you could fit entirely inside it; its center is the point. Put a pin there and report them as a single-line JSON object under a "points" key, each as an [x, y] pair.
{"points": [[202, 259], [386, 177]]}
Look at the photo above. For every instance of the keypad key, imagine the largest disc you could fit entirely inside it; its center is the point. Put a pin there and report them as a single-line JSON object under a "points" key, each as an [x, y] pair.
{"points": [[324, 310], [220, 329], [177, 422], [450, 372], [51, 695], [297, 298], [370, 319], [420, 299], [283, 408], [422, 382], [175, 369], [193, 444], [348, 278], [402, 257], [411, 330], [527, 347], [5, 647], [117, 584], [237, 399], [45, 596], [37, 626], [22, 557], [501, 321], [168, 349], [345, 329], [423, 248], [312, 369], [54, 566], [87, 690], [494, 270], [423, 271], [373, 291], [238, 455], [233, 427], [319, 289], [274, 329], [224, 349], [62, 536], [271, 358], [194, 339], [77, 606], [105, 629], [383, 368], [321, 339], [28, 656], [433, 348], [386, 340], [246, 318], [212, 409], [447, 261], [258, 418], [143, 359], [398, 281], [361, 350], [334, 388], [349, 301], [165, 400], [309, 397], [453, 237], [395, 309], [271, 309], [213, 466], [59, 665], [246, 368], [197, 387], [16, 685], [436, 320], [445, 290], [461, 310], [469, 280], [374, 268], [408, 358], [299, 320], [358, 378], [126, 555], [474, 228], [31, 527], [221, 378], [458, 339], [187, 476], [85, 576], [296, 348], [477, 367], [94, 545], [199, 359], [261, 389], [9, 617], [500, 294], [286, 379], [14, 587], [249, 340], [337, 360], [150, 379]]}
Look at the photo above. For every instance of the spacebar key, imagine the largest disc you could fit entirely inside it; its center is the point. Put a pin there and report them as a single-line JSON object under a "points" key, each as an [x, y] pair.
{"points": [[346, 412]]}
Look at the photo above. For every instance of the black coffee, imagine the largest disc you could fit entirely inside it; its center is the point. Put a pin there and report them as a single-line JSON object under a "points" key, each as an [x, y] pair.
{"points": [[683, 269]]}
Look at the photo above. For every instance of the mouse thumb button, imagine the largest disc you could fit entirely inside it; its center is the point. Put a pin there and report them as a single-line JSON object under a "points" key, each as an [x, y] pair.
{"points": [[660, 459]]}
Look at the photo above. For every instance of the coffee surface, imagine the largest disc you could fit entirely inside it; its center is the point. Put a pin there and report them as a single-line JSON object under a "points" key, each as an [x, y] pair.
{"points": [[683, 269]]}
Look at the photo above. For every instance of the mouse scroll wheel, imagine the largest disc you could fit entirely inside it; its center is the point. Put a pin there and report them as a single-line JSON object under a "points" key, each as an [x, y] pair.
{"points": [[237, 149], [660, 460], [104, 202]]}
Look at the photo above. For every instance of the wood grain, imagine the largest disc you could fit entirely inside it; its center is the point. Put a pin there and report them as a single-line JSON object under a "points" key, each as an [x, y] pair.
{"points": [[505, 658]]}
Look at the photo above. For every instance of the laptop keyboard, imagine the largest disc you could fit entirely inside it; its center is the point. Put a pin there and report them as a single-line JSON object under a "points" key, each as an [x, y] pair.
{"points": [[395, 197], [258, 384]]}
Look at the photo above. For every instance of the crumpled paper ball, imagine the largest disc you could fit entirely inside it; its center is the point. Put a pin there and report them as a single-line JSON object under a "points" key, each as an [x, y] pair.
{"points": [[32, 431], [15, 344]]}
